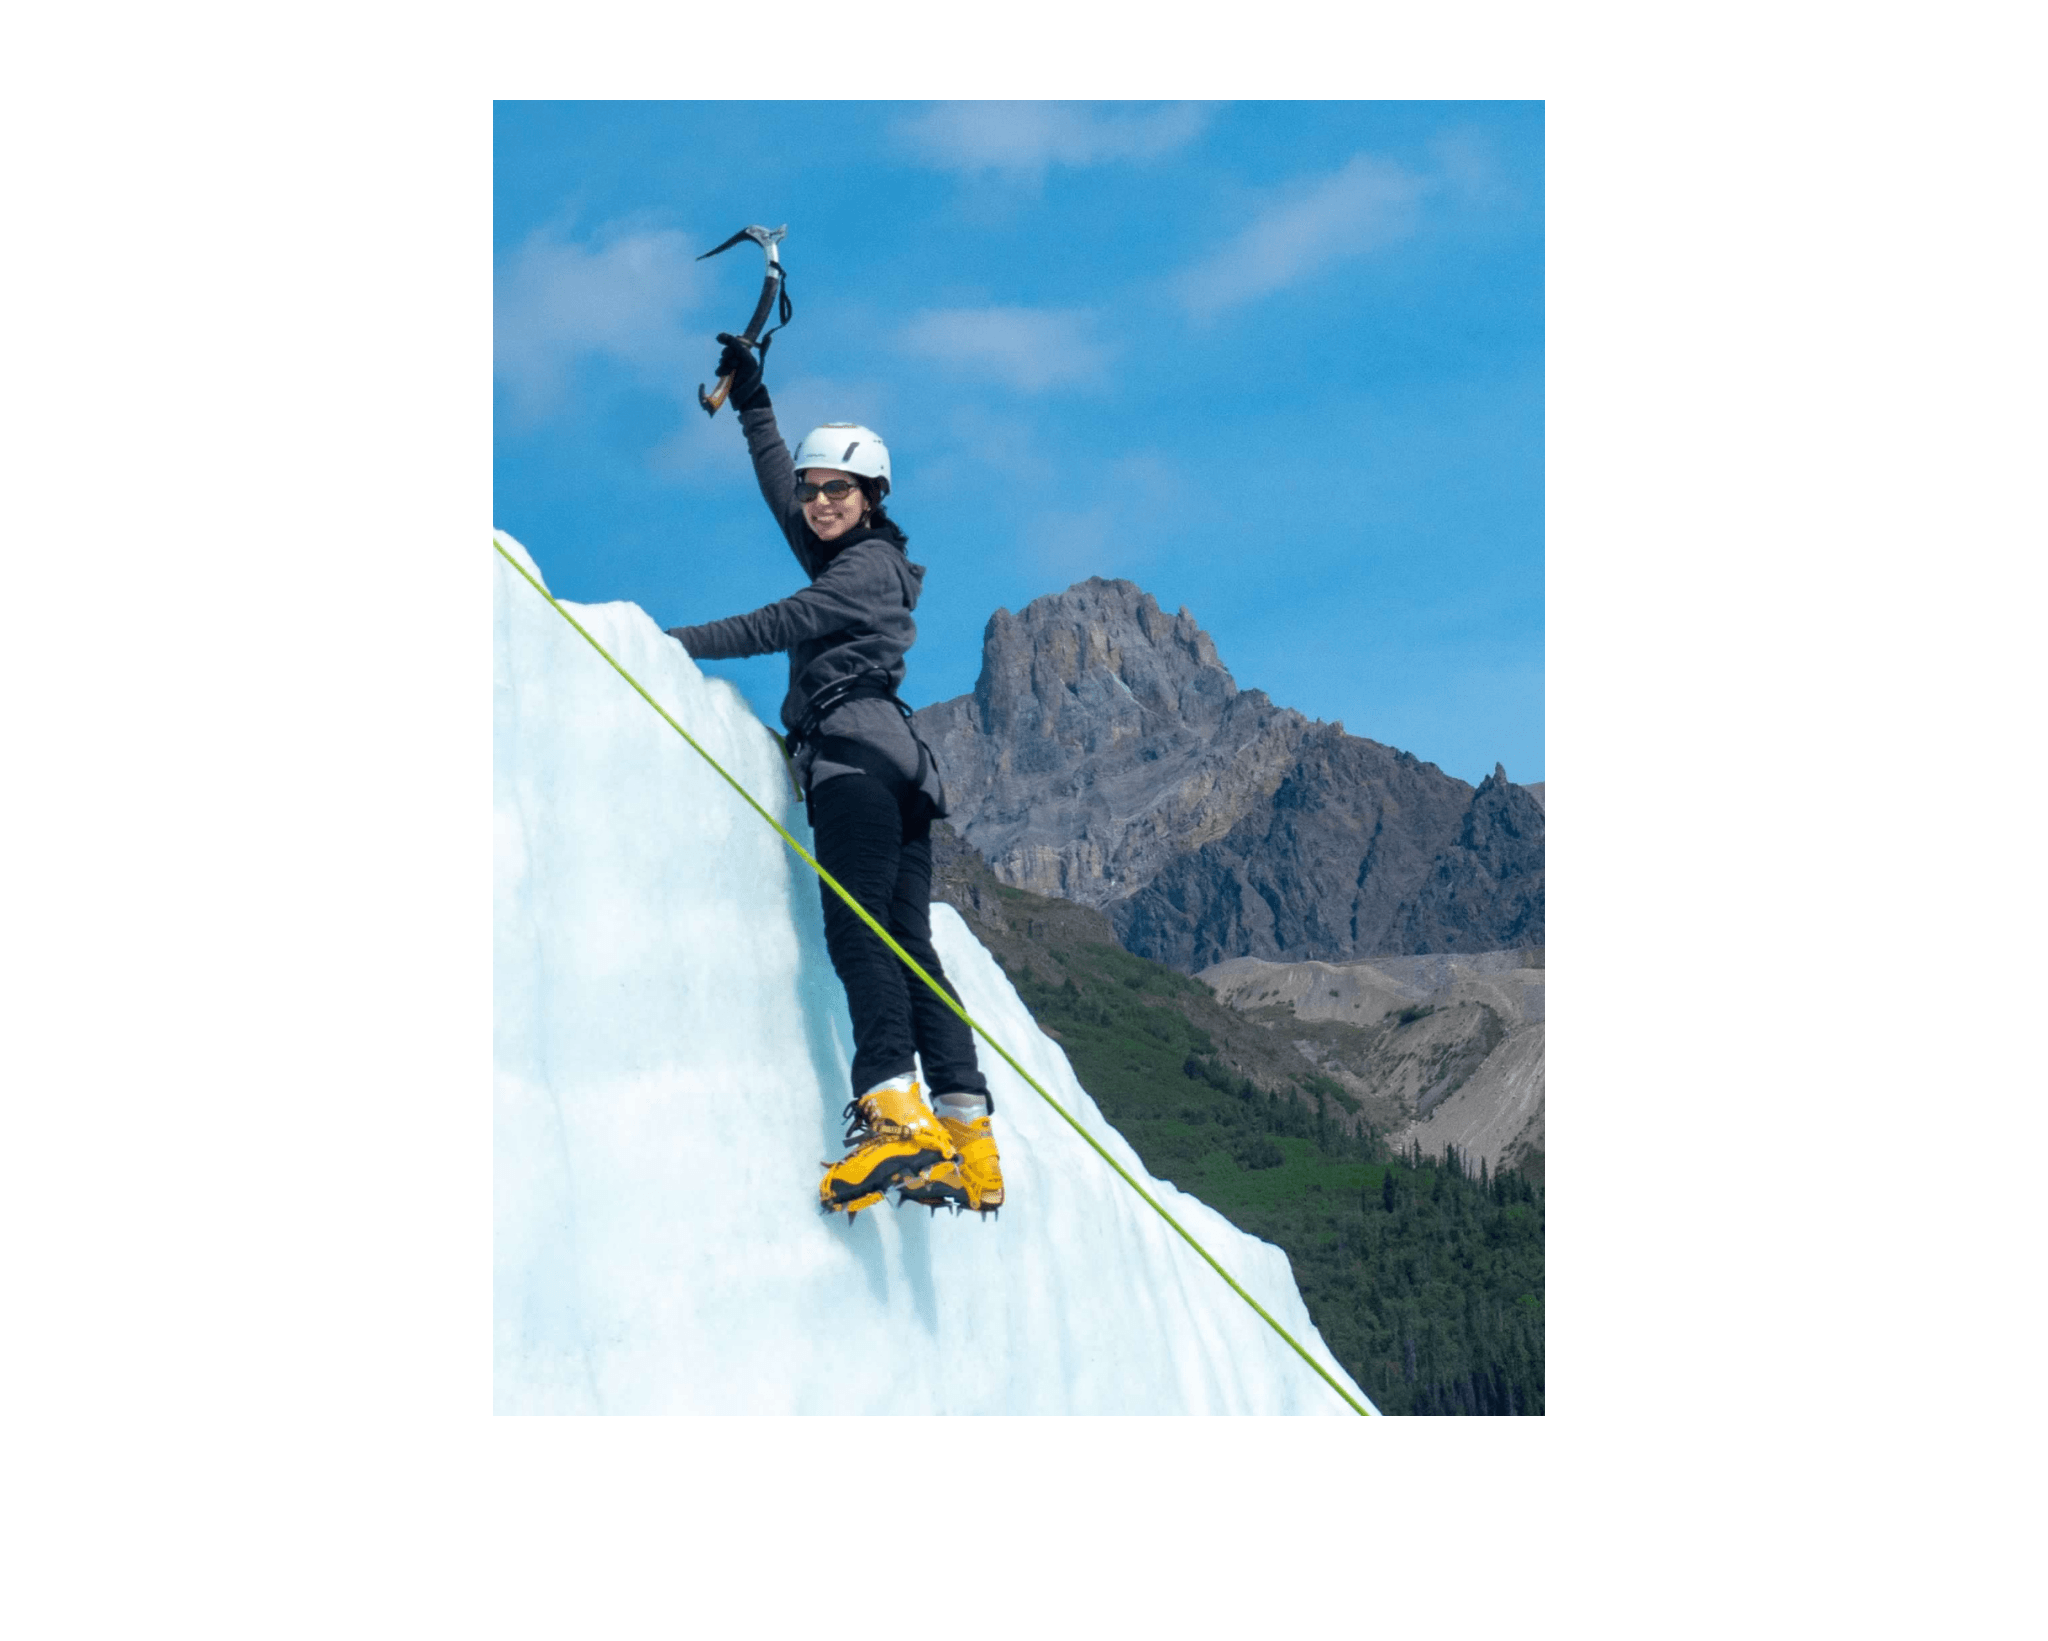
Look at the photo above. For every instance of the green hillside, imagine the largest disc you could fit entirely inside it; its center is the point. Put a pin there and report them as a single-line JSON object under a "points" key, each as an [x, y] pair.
{"points": [[1426, 1283]]}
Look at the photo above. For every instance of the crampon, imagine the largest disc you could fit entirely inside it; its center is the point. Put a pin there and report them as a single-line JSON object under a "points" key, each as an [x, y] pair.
{"points": [[972, 1178], [894, 1136]]}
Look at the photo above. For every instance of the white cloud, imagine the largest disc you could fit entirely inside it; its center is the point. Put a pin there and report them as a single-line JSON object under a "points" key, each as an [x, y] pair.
{"points": [[804, 401], [1369, 203], [1028, 348], [1472, 169], [976, 441], [1064, 546], [701, 448], [624, 296], [1123, 512], [1023, 139]]}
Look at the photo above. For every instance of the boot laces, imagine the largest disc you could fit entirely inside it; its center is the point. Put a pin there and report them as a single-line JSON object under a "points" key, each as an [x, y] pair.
{"points": [[859, 1130]]}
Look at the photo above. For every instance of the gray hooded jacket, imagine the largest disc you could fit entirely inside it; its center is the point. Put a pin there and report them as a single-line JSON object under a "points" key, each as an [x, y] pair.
{"points": [[853, 618]]}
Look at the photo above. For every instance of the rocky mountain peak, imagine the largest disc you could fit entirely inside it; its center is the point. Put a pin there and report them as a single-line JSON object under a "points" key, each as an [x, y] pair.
{"points": [[1107, 756], [1098, 664]]}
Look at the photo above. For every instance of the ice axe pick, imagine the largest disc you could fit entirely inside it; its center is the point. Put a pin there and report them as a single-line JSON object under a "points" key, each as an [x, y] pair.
{"points": [[771, 287]]}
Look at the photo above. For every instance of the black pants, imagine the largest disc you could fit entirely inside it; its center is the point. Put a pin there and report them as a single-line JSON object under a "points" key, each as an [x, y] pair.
{"points": [[876, 839]]}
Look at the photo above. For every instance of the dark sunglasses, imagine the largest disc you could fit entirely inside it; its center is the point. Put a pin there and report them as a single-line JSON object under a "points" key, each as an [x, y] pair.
{"points": [[837, 489]]}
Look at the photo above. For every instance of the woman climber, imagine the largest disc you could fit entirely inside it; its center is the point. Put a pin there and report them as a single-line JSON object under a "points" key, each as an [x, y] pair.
{"points": [[872, 793]]}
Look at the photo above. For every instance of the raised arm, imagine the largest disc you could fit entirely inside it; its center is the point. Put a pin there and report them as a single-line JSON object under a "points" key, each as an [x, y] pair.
{"points": [[772, 469], [776, 477]]}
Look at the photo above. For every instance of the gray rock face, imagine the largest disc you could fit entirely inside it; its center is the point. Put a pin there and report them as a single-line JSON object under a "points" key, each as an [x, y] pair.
{"points": [[1103, 738], [1106, 756], [1488, 889]]}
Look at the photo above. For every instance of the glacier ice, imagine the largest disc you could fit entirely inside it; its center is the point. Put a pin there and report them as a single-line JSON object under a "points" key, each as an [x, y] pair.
{"points": [[671, 1054]]}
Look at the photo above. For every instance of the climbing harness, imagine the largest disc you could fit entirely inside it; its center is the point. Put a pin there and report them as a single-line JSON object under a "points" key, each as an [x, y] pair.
{"points": [[872, 685], [944, 996]]}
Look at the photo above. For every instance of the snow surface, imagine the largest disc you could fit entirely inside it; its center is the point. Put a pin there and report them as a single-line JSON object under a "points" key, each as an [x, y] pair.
{"points": [[672, 1053]]}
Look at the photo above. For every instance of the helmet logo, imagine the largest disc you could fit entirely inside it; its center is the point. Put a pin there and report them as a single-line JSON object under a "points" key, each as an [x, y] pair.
{"points": [[850, 449]]}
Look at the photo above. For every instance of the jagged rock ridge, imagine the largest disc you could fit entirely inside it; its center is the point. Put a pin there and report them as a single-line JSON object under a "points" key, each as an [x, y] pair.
{"points": [[1107, 756]]}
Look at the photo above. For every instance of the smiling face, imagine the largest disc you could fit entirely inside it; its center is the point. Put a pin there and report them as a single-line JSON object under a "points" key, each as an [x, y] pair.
{"points": [[831, 519]]}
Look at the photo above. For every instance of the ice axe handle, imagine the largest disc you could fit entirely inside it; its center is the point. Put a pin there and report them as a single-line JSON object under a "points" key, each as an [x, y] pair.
{"points": [[771, 288]]}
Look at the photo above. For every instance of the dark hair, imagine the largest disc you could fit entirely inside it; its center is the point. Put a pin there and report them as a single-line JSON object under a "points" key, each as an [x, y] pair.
{"points": [[871, 491], [876, 519]]}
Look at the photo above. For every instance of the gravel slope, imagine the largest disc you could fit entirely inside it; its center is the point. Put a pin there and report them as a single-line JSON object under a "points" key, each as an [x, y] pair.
{"points": [[1492, 1111]]}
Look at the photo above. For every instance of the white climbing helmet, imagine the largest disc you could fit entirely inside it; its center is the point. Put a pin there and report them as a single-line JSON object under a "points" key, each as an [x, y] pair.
{"points": [[848, 447]]}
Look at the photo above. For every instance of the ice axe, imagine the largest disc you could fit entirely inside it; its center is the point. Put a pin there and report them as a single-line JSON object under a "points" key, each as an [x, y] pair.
{"points": [[771, 287]]}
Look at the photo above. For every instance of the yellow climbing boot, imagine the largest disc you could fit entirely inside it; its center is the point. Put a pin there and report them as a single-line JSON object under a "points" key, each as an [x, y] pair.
{"points": [[971, 1179], [894, 1136]]}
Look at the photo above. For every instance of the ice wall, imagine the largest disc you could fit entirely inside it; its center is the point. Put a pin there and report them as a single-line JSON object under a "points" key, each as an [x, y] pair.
{"points": [[671, 1063]]}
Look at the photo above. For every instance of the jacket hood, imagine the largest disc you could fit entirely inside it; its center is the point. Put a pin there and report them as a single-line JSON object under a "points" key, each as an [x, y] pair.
{"points": [[887, 535]]}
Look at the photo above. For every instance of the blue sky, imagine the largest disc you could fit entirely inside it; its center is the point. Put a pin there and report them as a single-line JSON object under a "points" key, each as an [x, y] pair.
{"points": [[1281, 363]]}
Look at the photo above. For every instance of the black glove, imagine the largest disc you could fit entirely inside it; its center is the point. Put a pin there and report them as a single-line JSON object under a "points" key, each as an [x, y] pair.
{"points": [[738, 362]]}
